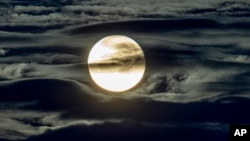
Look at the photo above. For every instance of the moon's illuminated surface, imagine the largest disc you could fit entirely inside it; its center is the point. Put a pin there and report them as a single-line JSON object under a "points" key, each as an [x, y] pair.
{"points": [[116, 63]]}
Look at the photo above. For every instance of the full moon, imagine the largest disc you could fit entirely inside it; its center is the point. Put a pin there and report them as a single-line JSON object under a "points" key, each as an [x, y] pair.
{"points": [[116, 63]]}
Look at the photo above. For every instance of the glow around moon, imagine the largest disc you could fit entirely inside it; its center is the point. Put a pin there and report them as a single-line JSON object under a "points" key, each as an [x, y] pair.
{"points": [[116, 63]]}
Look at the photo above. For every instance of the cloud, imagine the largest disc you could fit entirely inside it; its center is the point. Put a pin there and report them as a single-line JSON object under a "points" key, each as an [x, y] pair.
{"points": [[22, 9], [42, 20], [140, 131], [46, 58], [238, 59], [12, 128], [15, 71], [73, 8], [19, 124], [191, 85], [25, 124], [66, 105], [88, 12], [3, 52]]}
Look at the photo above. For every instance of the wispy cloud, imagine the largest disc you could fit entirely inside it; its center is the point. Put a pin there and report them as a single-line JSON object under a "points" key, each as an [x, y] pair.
{"points": [[32, 8], [88, 12], [3, 52], [14, 71], [18, 124]]}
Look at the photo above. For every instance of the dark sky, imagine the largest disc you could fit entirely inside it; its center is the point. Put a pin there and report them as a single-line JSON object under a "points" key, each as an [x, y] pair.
{"points": [[197, 70]]}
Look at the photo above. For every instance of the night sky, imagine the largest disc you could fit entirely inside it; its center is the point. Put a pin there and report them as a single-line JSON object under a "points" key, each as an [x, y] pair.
{"points": [[197, 79]]}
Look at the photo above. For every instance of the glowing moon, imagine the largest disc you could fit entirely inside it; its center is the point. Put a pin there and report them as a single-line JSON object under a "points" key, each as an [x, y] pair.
{"points": [[116, 63]]}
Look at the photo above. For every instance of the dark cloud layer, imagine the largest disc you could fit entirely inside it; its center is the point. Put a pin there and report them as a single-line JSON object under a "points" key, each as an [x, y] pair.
{"points": [[81, 103], [74, 102], [39, 16], [132, 131]]}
